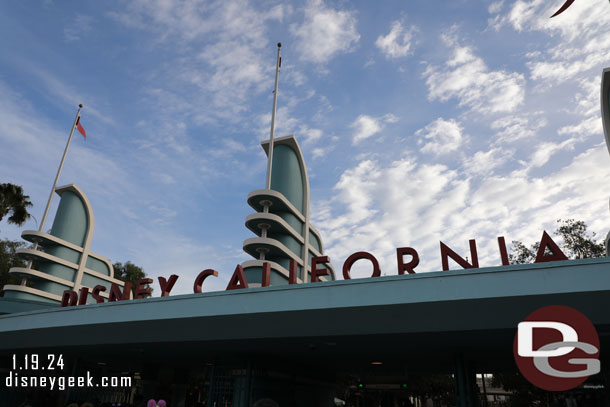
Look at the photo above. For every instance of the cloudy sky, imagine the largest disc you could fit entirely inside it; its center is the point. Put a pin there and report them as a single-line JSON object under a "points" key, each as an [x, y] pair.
{"points": [[418, 123]]}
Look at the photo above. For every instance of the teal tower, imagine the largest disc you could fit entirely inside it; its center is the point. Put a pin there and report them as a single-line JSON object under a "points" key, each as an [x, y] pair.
{"points": [[63, 257], [605, 108], [281, 221]]}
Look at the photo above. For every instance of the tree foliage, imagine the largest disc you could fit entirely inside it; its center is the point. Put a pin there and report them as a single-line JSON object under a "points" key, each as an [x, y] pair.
{"points": [[128, 272], [520, 254], [15, 203], [577, 243], [9, 259]]}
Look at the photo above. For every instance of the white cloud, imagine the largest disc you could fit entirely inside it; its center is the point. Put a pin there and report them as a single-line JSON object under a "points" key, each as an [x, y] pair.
{"points": [[57, 90], [561, 70], [390, 118], [467, 78], [366, 126], [375, 210], [229, 149], [544, 151], [522, 12], [195, 19], [310, 135], [397, 42], [162, 215], [484, 162], [221, 53], [235, 145], [325, 32], [285, 123], [580, 37], [77, 27], [320, 152], [495, 7], [369, 62], [581, 19], [441, 136], [362, 178], [509, 129], [586, 106], [165, 178], [587, 100], [589, 126]]}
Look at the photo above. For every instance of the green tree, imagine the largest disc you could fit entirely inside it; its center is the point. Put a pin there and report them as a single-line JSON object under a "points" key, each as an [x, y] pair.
{"points": [[520, 254], [577, 243], [128, 272], [15, 203], [8, 259]]}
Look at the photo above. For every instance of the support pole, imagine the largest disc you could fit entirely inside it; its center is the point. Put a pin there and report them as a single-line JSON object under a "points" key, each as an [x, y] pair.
{"points": [[277, 74], [465, 383], [61, 166]]}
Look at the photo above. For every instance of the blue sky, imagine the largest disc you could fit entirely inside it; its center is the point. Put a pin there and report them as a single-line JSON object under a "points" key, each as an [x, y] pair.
{"points": [[418, 122]]}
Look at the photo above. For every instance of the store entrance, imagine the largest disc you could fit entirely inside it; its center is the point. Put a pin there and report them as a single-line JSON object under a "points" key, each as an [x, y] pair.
{"points": [[294, 384], [186, 378]]}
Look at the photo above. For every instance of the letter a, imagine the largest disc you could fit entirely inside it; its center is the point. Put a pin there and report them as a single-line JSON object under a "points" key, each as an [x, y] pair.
{"points": [[238, 280], [556, 253]]}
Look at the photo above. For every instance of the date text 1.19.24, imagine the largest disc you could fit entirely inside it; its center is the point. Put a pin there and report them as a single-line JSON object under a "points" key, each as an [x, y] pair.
{"points": [[34, 361]]}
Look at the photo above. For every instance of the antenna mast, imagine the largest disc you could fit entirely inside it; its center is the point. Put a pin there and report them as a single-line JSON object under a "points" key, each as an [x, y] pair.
{"points": [[277, 74]]}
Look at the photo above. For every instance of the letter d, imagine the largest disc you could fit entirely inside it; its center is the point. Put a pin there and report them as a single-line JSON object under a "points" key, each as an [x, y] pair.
{"points": [[525, 338], [9, 380]]}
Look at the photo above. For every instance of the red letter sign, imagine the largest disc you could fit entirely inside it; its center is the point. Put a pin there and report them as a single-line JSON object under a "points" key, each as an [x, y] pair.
{"points": [[292, 273], [96, 293], [115, 292], [202, 276], [410, 266], [503, 254], [69, 298], [238, 280], [266, 277], [315, 271], [446, 252], [84, 291], [141, 289], [556, 253], [347, 266], [166, 286]]}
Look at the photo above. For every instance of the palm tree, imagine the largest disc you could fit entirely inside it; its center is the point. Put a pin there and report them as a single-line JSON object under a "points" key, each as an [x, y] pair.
{"points": [[14, 202]]}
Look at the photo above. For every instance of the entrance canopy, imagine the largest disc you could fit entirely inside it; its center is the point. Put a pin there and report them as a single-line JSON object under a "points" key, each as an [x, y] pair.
{"points": [[424, 317]]}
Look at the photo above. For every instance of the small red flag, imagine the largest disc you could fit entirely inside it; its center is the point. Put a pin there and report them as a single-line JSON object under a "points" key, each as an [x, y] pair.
{"points": [[80, 128]]}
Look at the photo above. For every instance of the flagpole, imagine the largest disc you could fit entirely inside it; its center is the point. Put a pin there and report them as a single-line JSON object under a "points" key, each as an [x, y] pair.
{"points": [[277, 74], [61, 165]]}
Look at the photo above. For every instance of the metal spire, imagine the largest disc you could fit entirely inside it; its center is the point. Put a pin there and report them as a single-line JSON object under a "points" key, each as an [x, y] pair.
{"points": [[277, 74]]}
